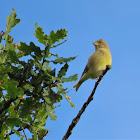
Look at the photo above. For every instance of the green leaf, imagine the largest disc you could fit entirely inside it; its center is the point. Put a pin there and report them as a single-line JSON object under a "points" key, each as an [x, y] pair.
{"points": [[39, 34], [4, 69], [60, 34], [42, 132], [29, 49], [48, 95], [20, 92], [8, 38], [3, 56], [60, 89], [16, 72], [47, 51], [22, 137], [50, 113], [11, 21], [46, 66], [62, 60], [63, 70], [16, 132], [25, 48], [63, 91], [52, 73], [35, 49], [28, 87], [41, 116], [12, 89], [70, 79], [12, 56], [51, 97], [9, 46], [12, 112], [56, 55], [34, 137], [25, 109], [13, 122], [72, 105], [1, 46]]}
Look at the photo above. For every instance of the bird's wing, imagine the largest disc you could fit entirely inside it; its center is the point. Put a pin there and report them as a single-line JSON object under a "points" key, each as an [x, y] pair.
{"points": [[85, 70], [97, 55]]}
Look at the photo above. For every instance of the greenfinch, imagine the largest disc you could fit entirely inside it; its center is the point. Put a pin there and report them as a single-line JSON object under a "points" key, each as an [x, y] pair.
{"points": [[96, 63]]}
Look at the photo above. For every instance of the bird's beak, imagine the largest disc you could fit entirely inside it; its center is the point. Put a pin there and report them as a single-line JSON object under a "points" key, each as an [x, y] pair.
{"points": [[95, 43]]}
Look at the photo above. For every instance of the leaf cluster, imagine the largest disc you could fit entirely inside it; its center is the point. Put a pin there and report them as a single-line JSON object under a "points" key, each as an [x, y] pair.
{"points": [[31, 89]]}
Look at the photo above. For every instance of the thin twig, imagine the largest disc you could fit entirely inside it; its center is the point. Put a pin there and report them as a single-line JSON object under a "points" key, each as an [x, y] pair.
{"points": [[59, 43], [20, 129], [77, 118], [24, 133]]}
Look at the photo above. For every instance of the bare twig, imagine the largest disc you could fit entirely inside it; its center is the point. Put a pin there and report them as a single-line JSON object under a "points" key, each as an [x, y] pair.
{"points": [[77, 118], [24, 133], [59, 43], [12, 132]]}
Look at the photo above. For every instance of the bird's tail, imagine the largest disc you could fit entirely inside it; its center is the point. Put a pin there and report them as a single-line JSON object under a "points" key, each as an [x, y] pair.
{"points": [[77, 85]]}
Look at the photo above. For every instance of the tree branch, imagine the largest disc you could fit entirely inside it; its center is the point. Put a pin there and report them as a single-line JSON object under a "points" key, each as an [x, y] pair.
{"points": [[7, 104], [24, 133], [77, 118], [12, 132]]}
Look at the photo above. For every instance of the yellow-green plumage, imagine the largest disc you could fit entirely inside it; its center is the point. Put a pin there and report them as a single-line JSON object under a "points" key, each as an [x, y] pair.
{"points": [[96, 63]]}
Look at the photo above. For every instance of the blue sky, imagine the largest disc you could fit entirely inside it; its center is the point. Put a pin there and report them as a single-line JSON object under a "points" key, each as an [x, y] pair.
{"points": [[114, 113]]}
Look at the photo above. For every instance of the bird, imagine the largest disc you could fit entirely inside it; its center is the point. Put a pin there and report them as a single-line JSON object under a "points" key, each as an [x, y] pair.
{"points": [[96, 63]]}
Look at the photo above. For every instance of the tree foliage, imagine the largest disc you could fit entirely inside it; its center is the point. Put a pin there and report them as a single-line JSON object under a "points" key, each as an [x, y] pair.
{"points": [[30, 89]]}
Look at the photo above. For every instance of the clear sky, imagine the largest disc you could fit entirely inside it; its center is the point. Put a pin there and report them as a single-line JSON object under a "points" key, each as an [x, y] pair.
{"points": [[115, 111]]}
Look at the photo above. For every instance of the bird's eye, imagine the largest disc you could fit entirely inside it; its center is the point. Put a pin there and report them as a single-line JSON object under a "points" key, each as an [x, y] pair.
{"points": [[99, 41]]}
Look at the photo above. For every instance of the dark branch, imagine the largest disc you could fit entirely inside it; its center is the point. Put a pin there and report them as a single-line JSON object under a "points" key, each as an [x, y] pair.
{"points": [[20, 129], [77, 118], [7, 104], [24, 133]]}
